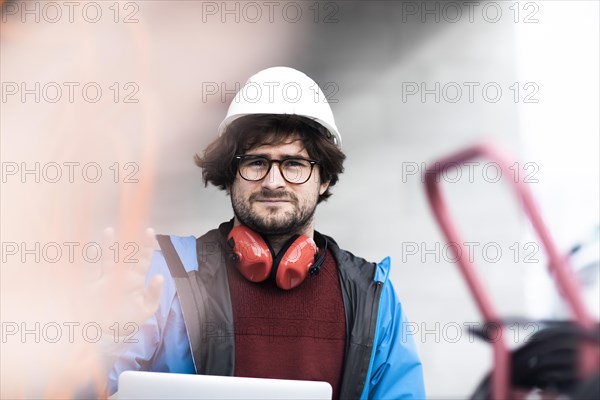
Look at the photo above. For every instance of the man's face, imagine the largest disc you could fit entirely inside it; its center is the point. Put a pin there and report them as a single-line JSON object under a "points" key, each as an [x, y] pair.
{"points": [[273, 206]]}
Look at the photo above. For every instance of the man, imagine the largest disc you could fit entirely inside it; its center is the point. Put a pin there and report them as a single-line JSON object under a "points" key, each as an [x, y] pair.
{"points": [[265, 295]]}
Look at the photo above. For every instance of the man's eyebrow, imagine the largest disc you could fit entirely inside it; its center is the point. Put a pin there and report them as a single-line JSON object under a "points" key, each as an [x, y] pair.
{"points": [[281, 156]]}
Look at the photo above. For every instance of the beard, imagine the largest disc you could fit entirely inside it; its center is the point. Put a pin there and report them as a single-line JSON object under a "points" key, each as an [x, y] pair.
{"points": [[275, 221]]}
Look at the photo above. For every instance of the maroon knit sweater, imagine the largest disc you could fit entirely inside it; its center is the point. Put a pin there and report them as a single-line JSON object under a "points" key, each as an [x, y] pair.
{"points": [[290, 334]]}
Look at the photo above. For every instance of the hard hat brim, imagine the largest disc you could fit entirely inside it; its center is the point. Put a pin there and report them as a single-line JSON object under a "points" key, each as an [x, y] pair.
{"points": [[337, 139]]}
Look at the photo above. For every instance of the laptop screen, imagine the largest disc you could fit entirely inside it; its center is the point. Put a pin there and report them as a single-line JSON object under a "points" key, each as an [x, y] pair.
{"points": [[158, 385]]}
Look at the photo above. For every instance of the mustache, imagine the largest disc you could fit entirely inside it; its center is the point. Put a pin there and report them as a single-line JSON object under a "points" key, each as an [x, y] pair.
{"points": [[273, 195]]}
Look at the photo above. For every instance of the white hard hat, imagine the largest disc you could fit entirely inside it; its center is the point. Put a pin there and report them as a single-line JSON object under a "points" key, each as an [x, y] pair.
{"points": [[282, 90]]}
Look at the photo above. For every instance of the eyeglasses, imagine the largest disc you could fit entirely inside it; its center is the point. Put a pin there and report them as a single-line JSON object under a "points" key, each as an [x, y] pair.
{"points": [[293, 169]]}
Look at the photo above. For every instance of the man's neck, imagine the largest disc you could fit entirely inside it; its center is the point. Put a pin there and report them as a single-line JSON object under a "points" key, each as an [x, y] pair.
{"points": [[277, 241]]}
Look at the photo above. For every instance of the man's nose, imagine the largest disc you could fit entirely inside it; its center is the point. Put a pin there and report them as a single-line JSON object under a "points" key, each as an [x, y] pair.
{"points": [[274, 179]]}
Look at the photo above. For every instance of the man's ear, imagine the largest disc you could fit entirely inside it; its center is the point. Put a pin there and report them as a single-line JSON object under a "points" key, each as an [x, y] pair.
{"points": [[323, 187]]}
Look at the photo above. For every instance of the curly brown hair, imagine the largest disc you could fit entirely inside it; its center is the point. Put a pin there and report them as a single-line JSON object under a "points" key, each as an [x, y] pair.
{"points": [[218, 164]]}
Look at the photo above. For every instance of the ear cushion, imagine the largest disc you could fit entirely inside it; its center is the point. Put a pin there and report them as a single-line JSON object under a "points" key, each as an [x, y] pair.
{"points": [[295, 262], [254, 259]]}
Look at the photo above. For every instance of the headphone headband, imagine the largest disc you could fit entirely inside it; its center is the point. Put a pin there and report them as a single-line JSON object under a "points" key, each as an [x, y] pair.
{"points": [[321, 242]]}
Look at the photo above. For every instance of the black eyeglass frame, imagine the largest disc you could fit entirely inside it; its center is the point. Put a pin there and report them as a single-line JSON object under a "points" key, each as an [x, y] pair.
{"points": [[239, 158]]}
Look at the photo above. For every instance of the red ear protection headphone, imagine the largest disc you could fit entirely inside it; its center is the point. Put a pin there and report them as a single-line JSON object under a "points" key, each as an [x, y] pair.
{"points": [[257, 261]]}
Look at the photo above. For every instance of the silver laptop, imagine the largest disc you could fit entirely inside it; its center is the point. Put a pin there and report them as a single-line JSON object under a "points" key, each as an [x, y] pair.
{"points": [[158, 385]]}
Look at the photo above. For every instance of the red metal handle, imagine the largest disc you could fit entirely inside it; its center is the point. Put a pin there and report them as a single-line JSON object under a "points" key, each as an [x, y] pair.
{"points": [[557, 263]]}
